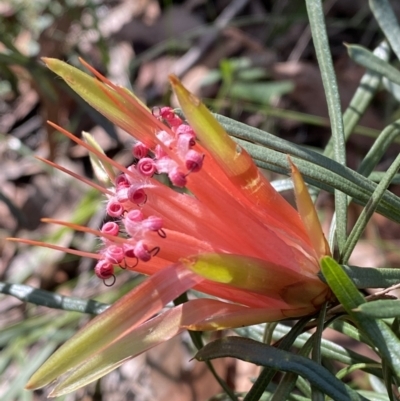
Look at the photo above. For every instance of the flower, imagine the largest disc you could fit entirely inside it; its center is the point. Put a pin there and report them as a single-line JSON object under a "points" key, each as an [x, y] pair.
{"points": [[228, 234]]}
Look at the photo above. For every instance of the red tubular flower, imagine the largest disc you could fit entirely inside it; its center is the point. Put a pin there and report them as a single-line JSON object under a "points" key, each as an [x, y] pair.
{"points": [[233, 237]]}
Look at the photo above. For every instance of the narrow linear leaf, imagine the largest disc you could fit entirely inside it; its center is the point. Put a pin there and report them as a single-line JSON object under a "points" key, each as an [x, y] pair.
{"points": [[365, 92], [379, 148], [26, 293], [265, 355], [381, 309], [378, 333], [362, 98], [369, 277], [329, 349], [353, 368], [317, 395], [376, 176], [369, 210], [386, 18], [367, 59], [266, 375], [291, 379], [320, 39]]}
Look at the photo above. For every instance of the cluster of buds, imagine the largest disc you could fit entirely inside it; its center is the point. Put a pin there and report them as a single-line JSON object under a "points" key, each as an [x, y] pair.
{"points": [[125, 206]]}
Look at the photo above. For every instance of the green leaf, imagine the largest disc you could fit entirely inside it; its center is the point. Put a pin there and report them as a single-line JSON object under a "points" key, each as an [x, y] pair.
{"points": [[316, 350], [369, 210], [53, 300], [378, 333], [386, 18], [365, 92], [320, 39], [369, 277], [329, 349], [265, 355], [266, 375], [381, 309], [367, 59], [260, 92], [379, 148]]}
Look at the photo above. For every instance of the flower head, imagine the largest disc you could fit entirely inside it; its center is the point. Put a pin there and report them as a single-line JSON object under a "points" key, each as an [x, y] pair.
{"points": [[228, 234]]}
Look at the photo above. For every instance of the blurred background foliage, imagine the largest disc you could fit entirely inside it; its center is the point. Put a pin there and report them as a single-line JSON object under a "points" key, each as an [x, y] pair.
{"points": [[253, 61]]}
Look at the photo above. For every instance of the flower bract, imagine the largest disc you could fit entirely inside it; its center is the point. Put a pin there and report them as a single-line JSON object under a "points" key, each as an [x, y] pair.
{"points": [[218, 226]]}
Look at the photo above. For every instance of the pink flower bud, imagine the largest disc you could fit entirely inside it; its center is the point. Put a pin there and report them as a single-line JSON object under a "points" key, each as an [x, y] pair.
{"points": [[168, 114], [121, 181], [135, 215], [114, 208], [142, 252], [140, 150], [146, 166], [104, 269], [136, 195], [129, 252], [185, 142], [114, 254], [185, 129], [194, 161], [153, 223], [177, 177], [110, 228], [132, 223]]}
